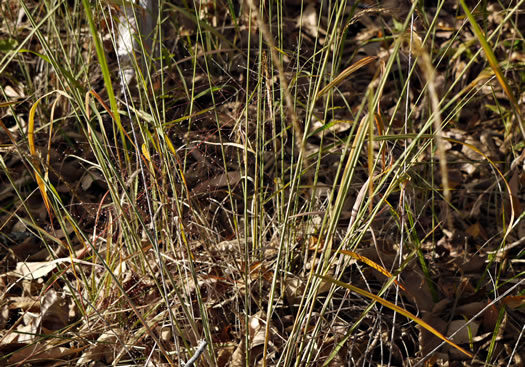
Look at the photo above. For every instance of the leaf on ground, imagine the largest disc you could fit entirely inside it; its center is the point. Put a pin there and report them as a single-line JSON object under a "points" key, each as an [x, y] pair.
{"points": [[103, 350], [219, 181], [464, 331]]}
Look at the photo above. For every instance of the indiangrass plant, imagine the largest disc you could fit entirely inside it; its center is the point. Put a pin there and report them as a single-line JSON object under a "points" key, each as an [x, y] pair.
{"points": [[261, 182]]}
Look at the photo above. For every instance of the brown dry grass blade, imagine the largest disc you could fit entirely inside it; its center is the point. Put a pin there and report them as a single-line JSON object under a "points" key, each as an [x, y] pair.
{"points": [[345, 73]]}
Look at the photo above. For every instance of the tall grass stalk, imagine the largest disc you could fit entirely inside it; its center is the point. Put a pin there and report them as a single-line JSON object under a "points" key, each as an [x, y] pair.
{"points": [[185, 266]]}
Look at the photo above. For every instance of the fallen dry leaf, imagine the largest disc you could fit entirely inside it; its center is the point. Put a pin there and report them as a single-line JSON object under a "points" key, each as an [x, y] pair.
{"points": [[219, 181]]}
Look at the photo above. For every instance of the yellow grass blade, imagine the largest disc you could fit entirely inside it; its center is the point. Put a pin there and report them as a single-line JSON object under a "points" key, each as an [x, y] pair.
{"points": [[395, 308], [187, 117], [493, 62], [372, 264], [9, 103], [145, 152], [32, 150], [345, 73]]}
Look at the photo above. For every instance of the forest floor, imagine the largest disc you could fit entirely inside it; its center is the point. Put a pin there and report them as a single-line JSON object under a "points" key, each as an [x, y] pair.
{"points": [[296, 183]]}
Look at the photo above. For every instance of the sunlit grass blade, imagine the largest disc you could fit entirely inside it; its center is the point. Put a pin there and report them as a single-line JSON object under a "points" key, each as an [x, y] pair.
{"points": [[372, 264], [396, 308], [7, 104], [494, 64], [344, 74], [105, 72], [32, 150], [265, 147]]}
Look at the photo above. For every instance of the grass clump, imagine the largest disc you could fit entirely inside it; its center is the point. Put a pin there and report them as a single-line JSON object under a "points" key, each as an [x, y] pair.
{"points": [[245, 183]]}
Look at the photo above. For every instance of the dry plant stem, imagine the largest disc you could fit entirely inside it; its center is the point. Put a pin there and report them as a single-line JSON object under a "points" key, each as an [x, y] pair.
{"points": [[298, 131], [494, 64], [198, 352], [429, 72]]}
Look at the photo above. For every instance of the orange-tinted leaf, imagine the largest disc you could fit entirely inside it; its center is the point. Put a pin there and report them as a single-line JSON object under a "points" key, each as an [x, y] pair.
{"points": [[514, 302]]}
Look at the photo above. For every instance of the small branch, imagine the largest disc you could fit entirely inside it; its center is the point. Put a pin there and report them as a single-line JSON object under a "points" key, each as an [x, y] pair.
{"points": [[198, 352]]}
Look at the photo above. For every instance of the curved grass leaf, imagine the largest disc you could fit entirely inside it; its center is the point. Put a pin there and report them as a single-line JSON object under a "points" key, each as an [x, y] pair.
{"points": [[395, 308]]}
